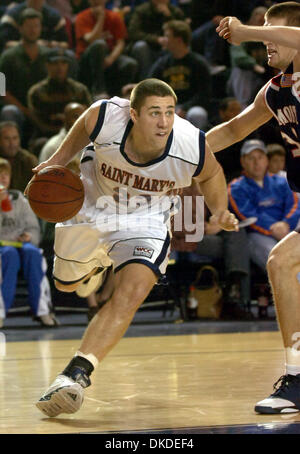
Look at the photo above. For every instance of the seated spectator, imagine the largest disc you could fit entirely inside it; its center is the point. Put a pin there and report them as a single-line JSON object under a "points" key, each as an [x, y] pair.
{"points": [[276, 155], [53, 32], [100, 41], [248, 65], [186, 72], [146, 32], [72, 111], [48, 98], [20, 226], [23, 66], [229, 248], [21, 161], [266, 197]]}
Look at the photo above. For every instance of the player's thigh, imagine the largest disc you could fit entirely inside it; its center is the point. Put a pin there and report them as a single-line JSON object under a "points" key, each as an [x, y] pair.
{"points": [[138, 264], [133, 283]]}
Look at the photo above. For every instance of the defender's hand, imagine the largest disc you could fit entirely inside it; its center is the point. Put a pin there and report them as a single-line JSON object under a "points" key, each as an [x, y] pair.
{"points": [[225, 220], [231, 28]]}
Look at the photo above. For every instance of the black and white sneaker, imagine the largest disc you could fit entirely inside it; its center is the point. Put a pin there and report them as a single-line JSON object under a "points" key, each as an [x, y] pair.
{"points": [[285, 399]]}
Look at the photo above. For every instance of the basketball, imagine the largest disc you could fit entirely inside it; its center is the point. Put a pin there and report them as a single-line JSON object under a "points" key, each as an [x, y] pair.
{"points": [[55, 194]]}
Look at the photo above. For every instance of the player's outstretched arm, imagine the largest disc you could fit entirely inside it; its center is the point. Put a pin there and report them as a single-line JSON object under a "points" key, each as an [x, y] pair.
{"points": [[213, 187], [230, 132], [235, 32], [76, 139]]}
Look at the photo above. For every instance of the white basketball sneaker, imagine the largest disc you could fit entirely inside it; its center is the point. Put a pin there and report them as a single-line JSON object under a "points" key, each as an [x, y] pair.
{"points": [[64, 395]]}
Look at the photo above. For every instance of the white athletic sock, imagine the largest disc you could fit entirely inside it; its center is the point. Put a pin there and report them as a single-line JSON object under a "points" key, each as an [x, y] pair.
{"points": [[90, 357], [292, 362], [292, 370]]}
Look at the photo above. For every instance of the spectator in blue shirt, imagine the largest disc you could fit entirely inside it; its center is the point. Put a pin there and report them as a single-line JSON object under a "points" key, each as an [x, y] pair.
{"points": [[266, 197]]}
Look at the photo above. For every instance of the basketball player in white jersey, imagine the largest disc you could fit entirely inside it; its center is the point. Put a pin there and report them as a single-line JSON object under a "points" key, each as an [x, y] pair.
{"points": [[278, 98], [140, 148]]}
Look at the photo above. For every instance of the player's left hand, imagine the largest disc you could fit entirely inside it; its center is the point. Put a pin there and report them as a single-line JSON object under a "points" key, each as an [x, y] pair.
{"points": [[225, 220], [230, 28]]}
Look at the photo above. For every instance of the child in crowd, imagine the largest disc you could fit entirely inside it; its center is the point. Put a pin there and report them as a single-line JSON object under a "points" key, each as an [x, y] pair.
{"points": [[19, 239]]}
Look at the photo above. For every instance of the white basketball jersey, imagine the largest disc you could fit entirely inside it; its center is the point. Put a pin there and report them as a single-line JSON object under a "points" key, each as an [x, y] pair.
{"points": [[124, 180]]}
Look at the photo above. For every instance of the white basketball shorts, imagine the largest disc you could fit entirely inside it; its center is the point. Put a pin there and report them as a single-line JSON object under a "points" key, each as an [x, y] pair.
{"points": [[80, 245]]}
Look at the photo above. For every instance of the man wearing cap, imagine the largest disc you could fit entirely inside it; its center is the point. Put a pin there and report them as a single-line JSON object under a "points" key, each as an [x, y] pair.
{"points": [[264, 196], [48, 98]]}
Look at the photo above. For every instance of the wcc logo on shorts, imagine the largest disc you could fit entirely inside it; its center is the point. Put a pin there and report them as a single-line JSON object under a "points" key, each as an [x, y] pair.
{"points": [[142, 251]]}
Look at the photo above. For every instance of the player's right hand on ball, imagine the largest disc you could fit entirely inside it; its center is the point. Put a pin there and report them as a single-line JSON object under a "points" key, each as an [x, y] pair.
{"points": [[40, 166], [225, 220]]}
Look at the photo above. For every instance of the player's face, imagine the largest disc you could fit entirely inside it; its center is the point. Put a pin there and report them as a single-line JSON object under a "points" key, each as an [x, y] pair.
{"points": [[9, 142], [255, 164], [155, 120], [278, 56]]}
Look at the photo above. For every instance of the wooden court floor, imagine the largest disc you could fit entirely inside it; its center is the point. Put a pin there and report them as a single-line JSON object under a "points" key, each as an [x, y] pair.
{"points": [[149, 383]]}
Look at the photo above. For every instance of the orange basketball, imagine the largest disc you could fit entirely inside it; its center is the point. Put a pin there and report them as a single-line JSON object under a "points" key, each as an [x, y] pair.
{"points": [[55, 194]]}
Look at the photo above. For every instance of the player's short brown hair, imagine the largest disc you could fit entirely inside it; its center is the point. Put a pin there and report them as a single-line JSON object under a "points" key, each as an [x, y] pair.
{"points": [[150, 87], [5, 166], [288, 10], [180, 29]]}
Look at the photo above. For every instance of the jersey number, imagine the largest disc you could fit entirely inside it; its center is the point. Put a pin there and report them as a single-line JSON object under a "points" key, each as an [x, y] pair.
{"points": [[295, 151]]}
